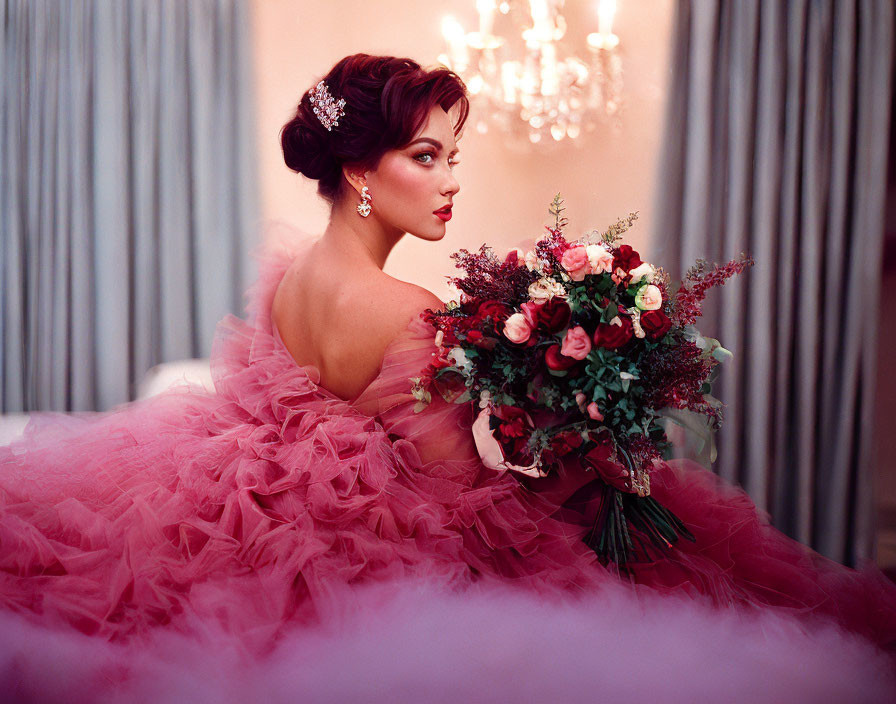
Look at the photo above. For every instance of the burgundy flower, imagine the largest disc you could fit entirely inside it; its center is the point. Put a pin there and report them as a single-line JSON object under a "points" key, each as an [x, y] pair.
{"points": [[626, 258], [565, 442], [554, 315], [655, 323], [513, 421], [474, 336], [613, 473], [495, 309], [557, 361], [611, 335], [512, 433], [550, 317]]}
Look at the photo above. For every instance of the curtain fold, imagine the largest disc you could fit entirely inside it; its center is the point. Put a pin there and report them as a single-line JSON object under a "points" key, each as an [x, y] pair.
{"points": [[777, 127], [128, 196]]}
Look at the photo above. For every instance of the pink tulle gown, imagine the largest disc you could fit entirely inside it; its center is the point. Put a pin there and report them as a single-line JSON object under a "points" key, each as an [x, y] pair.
{"points": [[273, 542]]}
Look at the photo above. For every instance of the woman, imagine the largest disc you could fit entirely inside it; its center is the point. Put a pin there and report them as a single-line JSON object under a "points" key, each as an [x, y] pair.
{"points": [[308, 474]]}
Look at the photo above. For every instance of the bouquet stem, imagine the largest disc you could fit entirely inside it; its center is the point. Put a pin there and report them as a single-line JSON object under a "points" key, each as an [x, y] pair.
{"points": [[613, 541]]}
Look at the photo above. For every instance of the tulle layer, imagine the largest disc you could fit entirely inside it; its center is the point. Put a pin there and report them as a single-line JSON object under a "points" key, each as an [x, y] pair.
{"points": [[261, 507], [409, 641]]}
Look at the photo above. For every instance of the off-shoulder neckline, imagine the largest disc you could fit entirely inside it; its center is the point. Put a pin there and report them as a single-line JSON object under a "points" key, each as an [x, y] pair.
{"points": [[416, 328]]}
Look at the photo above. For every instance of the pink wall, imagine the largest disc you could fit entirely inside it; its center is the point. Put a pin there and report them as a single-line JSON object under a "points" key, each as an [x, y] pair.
{"points": [[504, 194]]}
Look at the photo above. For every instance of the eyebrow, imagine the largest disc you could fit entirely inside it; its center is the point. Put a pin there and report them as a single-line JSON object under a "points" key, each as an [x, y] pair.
{"points": [[434, 142]]}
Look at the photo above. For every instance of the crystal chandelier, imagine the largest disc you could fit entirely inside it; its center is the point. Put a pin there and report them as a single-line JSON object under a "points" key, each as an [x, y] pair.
{"points": [[530, 85]]}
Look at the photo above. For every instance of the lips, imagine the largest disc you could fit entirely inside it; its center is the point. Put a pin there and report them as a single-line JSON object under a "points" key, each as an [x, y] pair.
{"points": [[444, 213]]}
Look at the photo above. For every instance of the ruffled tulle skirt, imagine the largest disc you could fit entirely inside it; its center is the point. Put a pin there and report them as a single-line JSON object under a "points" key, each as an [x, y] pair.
{"points": [[273, 538]]}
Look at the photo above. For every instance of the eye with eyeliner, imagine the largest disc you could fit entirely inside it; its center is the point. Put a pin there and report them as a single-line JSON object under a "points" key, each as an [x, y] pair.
{"points": [[452, 161]]}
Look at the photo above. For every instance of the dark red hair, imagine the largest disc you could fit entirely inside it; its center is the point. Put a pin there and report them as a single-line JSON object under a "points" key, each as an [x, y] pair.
{"points": [[387, 101]]}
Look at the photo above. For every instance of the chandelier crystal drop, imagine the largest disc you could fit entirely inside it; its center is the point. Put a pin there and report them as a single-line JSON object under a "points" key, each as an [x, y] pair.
{"points": [[527, 81]]}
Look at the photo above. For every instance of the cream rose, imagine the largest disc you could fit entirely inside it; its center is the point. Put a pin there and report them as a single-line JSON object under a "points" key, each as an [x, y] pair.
{"points": [[599, 258], [644, 269], [459, 359], [649, 297], [517, 328], [545, 289]]}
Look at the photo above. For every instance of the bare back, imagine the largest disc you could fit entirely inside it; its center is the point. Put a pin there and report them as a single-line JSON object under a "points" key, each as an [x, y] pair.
{"points": [[342, 322]]}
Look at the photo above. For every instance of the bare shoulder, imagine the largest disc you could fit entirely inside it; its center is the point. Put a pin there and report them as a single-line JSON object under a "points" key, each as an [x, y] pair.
{"points": [[393, 304], [416, 299], [364, 319]]}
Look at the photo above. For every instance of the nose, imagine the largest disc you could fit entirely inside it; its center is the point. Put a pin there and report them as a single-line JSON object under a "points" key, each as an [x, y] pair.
{"points": [[451, 185]]}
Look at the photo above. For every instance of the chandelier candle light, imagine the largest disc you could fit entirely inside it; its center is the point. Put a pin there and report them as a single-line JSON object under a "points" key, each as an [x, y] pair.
{"points": [[527, 81]]}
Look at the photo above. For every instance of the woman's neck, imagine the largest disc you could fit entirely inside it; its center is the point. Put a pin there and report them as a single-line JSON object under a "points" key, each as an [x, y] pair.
{"points": [[362, 239]]}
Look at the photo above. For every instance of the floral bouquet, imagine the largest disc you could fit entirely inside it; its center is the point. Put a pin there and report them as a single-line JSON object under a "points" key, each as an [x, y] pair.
{"points": [[580, 349]]}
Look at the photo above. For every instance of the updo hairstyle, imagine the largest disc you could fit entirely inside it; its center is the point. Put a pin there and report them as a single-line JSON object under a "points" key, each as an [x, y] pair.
{"points": [[387, 101]]}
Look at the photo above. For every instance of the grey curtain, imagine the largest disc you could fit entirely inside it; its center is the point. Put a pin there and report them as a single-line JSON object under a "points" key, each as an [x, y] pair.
{"points": [[127, 194], [776, 143]]}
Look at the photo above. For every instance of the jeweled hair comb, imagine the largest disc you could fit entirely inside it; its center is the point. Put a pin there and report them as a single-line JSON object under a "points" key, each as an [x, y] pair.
{"points": [[327, 109]]}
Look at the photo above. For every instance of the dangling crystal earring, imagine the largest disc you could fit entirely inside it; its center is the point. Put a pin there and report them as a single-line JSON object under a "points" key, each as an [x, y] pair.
{"points": [[364, 207]]}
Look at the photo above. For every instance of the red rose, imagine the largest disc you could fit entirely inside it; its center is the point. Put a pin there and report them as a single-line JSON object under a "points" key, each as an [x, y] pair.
{"points": [[557, 361], [613, 473], [474, 336], [512, 432], [441, 363], [565, 442], [495, 309], [626, 258], [554, 314], [655, 323], [513, 421], [551, 316], [611, 335]]}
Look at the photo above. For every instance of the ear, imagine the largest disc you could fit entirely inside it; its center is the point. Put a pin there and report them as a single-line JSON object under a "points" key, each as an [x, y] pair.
{"points": [[355, 177]]}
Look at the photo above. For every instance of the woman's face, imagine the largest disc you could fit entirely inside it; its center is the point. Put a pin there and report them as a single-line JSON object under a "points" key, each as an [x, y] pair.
{"points": [[409, 185]]}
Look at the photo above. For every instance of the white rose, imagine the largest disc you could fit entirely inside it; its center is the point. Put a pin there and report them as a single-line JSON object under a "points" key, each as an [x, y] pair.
{"points": [[600, 258], [459, 359], [644, 269], [533, 263], [545, 289]]}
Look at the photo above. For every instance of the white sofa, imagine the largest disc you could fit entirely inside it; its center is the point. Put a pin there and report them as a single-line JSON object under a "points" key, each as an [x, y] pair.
{"points": [[192, 372]]}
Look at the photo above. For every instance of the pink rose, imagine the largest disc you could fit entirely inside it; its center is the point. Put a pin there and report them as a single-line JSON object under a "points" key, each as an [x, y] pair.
{"points": [[576, 343], [516, 329], [575, 261], [530, 313], [594, 412]]}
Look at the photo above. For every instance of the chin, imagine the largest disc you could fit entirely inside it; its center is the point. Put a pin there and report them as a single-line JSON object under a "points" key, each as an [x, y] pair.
{"points": [[431, 236]]}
